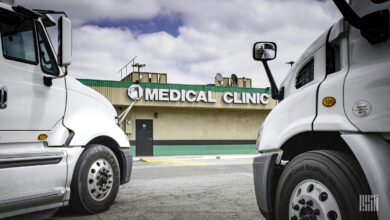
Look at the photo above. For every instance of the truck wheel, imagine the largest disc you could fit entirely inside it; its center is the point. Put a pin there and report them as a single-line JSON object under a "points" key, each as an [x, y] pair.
{"points": [[321, 185], [95, 180]]}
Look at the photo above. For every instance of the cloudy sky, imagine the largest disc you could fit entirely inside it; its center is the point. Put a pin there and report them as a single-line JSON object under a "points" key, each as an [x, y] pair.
{"points": [[189, 40]]}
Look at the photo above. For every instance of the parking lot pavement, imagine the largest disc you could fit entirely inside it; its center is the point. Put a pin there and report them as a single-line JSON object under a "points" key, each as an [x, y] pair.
{"points": [[185, 188]]}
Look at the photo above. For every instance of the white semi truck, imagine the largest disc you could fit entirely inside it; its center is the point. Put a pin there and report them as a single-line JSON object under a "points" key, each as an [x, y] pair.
{"points": [[60, 142], [325, 147]]}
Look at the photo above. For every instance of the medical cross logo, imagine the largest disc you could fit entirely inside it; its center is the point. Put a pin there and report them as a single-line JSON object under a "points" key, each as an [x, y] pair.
{"points": [[368, 203]]}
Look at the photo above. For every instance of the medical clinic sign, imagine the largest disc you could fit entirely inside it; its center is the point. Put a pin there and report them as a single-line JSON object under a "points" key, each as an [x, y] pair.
{"points": [[174, 95]]}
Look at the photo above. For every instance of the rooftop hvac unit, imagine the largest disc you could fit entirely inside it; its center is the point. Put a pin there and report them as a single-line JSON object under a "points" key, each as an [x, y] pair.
{"points": [[154, 78], [145, 78], [163, 78]]}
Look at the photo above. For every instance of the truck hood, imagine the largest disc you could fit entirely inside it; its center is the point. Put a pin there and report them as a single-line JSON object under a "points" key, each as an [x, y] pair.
{"points": [[76, 86]]}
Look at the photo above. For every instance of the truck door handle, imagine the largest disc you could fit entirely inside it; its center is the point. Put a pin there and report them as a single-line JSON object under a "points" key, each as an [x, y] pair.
{"points": [[3, 97]]}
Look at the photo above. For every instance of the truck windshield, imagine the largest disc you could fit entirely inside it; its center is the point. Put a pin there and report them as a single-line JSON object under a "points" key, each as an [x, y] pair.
{"points": [[17, 37]]}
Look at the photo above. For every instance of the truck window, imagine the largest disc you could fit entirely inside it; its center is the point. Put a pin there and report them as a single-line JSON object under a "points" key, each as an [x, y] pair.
{"points": [[48, 63], [17, 37], [305, 75]]}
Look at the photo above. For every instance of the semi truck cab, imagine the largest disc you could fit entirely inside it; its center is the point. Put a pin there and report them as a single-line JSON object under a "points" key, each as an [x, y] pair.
{"points": [[325, 148], [60, 143]]}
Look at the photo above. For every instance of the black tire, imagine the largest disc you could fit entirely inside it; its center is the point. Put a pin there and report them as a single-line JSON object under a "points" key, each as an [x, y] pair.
{"points": [[337, 171], [81, 199]]}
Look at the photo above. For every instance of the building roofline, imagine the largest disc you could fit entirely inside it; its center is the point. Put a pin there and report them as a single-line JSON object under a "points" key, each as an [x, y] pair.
{"points": [[126, 84]]}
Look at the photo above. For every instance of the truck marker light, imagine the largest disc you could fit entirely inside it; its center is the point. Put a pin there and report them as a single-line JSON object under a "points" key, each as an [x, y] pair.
{"points": [[42, 137], [361, 108], [328, 101]]}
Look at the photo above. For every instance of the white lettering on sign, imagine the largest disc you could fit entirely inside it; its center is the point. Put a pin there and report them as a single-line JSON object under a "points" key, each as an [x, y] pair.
{"points": [[163, 95], [226, 99], [210, 97], [174, 95], [151, 94], [190, 96], [201, 97], [236, 99], [264, 99], [250, 98], [183, 95]]}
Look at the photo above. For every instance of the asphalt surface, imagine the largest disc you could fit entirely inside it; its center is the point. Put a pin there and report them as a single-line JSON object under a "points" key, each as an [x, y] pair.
{"points": [[184, 188]]}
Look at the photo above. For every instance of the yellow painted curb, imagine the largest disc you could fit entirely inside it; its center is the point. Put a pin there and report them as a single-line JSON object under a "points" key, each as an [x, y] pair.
{"points": [[145, 160], [171, 161]]}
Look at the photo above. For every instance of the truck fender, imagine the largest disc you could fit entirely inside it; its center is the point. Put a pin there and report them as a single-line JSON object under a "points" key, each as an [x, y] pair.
{"points": [[373, 153], [88, 119]]}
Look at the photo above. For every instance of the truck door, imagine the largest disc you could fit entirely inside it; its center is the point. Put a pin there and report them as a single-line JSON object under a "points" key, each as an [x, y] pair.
{"points": [[26, 59], [32, 174], [367, 85]]}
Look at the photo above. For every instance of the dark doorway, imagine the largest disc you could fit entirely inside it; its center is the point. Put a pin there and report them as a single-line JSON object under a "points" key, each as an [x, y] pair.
{"points": [[144, 138]]}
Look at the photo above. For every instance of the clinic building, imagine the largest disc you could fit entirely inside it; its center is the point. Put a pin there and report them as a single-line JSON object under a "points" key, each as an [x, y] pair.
{"points": [[181, 119]]}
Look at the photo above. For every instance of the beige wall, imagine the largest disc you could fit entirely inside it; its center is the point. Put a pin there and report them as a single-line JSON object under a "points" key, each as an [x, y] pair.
{"points": [[199, 123], [191, 121]]}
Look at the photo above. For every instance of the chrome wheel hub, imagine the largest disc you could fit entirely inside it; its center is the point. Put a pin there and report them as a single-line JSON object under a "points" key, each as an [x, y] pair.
{"points": [[100, 179], [311, 200]]}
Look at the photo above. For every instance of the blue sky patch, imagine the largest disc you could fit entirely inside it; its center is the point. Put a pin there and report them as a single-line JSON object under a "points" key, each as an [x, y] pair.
{"points": [[169, 24]]}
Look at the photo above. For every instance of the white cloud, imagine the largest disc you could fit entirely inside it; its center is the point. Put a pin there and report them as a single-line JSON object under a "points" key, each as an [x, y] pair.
{"points": [[82, 11], [216, 36]]}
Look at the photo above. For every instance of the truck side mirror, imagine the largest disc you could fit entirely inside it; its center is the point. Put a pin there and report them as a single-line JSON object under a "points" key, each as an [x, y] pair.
{"points": [[64, 41], [263, 51]]}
